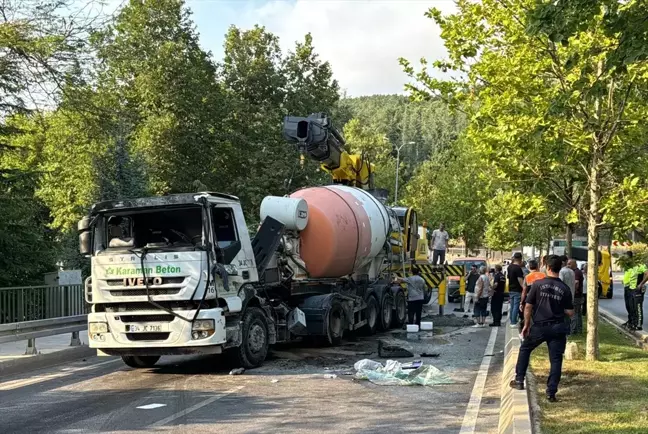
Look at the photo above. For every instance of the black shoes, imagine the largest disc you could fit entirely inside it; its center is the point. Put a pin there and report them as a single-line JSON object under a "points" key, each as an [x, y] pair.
{"points": [[495, 324], [517, 385], [552, 398]]}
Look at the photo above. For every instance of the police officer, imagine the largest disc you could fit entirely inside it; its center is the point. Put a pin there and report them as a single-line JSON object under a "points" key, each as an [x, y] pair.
{"points": [[547, 302]]}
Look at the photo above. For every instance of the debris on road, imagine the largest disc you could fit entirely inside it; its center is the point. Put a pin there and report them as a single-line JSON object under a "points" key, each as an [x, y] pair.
{"points": [[274, 380], [392, 351], [330, 376], [430, 354], [393, 374], [237, 371]]}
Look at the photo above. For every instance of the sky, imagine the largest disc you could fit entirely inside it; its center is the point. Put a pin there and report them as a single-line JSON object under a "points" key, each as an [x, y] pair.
{"points": [[362, 39]]}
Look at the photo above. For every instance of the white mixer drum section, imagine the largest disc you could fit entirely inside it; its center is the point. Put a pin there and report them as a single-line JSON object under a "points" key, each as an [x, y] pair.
{"points": [[292, 212]]}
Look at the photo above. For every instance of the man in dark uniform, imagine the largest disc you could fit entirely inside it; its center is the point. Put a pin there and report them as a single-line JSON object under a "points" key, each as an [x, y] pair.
{"points": [[547, 303], [497, 299]]}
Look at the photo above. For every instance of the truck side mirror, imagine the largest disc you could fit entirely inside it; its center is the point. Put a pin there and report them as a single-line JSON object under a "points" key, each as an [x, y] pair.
{"points": [[85, 236]]}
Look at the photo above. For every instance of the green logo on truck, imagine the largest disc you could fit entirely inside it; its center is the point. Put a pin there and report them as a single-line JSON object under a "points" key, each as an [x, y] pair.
{"points": [[137, 271]]}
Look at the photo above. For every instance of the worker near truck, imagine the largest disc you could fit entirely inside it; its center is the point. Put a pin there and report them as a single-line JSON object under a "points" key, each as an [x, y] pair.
{"points": [[439, 245], [416, 287], [633, 292]]}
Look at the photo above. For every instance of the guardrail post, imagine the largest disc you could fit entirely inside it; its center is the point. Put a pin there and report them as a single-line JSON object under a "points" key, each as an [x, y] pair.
{"points": [[75, 342], [31, 348]]}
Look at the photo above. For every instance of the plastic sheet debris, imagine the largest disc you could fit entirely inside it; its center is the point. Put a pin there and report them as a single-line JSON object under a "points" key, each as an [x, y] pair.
{"points": [[394, 374], [274, 381], [237, 371]]}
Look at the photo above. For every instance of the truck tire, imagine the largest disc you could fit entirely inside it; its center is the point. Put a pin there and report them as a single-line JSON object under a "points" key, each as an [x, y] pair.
{"points": [[372, 314], [386, 310], [400, 309], [255, 341], [336, 323], [140, 362]]}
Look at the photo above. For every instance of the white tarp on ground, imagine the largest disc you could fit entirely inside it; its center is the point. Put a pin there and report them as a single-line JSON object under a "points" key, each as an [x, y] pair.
{"points": [[393, 374]]}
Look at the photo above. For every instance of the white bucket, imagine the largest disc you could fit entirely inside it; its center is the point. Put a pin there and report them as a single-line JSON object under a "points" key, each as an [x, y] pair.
{"points": [[412, 328], [427, 325]]}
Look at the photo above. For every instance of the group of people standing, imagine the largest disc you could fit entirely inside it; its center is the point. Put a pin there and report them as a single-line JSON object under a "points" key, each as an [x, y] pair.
{"points": [[540, 296]]}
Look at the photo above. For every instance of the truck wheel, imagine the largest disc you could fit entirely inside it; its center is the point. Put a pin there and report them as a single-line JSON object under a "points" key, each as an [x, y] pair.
{"points": [[371, 313], [428, 295], [336, 324], [400, 309], [255, 342], [386, 310], [140, 362]]}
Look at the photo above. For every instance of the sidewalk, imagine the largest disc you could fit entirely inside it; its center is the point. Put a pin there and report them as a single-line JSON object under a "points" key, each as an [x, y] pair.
{"points": [[51, 350]]}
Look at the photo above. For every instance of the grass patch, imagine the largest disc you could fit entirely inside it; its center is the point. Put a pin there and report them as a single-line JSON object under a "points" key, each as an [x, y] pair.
{"points": [[604, 397]]}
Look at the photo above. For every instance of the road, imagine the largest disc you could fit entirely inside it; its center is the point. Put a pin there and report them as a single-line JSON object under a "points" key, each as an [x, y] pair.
{"points": [[289, 393], [616, 305]]}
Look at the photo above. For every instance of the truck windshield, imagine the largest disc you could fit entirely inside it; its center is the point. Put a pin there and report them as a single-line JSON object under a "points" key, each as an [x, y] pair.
{"points": [[168, 228]]}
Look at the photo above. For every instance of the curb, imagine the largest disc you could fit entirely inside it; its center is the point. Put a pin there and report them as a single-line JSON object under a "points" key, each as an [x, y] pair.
{"points": [[639, 336], [515, 408], [30, 363]]}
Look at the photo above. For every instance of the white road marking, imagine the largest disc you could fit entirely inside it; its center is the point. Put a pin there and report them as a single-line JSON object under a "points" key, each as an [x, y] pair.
{"points": [[15, 384], [472, 411], [194, 407], [150, 406]]}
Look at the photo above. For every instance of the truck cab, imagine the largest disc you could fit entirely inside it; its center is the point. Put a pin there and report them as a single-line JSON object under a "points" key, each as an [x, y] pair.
{"points": [[165, 273]]}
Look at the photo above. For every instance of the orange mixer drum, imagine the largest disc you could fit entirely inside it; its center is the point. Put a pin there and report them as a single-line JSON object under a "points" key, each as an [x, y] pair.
{"points": [[347, 227]]}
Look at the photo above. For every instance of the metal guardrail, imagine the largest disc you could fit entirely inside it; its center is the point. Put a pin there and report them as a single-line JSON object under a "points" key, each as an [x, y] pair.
{"points": [[30, 330], [30, 312], [32, 303]]}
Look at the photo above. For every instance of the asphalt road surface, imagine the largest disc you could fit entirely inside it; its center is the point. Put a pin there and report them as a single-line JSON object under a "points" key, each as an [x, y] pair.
{"points": [[290, 393], [616, 305]]}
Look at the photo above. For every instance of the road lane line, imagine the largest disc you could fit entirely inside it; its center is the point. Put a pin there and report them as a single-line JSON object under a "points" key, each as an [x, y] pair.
{"points": [[194, 407], [472, 411], [150, 406], [15, 384]]}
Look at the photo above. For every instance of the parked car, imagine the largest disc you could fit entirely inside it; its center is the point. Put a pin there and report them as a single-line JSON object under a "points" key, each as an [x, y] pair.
{"points": [[453, 281]]}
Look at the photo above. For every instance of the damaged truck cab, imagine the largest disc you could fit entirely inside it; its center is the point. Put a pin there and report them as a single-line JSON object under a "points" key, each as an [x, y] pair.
{"points": [[180, 274]]}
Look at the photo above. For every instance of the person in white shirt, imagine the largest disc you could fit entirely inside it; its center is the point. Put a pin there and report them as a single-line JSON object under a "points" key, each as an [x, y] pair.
{"points": [[439, 244]]}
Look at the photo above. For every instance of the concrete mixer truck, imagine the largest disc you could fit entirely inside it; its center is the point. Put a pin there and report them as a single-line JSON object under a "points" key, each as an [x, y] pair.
{"points": [[180, 274]]}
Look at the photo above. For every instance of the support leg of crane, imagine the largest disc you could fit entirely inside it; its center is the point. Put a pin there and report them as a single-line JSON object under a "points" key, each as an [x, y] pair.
{"points": [[31, 348], [75, 341]]}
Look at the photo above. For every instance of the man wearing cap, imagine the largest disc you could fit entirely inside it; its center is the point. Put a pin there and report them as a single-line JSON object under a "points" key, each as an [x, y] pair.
{"points": [[516, 281]]}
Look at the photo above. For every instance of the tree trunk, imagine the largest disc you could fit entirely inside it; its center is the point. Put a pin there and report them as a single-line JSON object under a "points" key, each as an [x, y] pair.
{"points": [[570, 239], [592, 351]]}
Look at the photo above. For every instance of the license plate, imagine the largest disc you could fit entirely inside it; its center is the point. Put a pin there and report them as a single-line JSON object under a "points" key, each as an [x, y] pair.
{"points": [[145, 328]]}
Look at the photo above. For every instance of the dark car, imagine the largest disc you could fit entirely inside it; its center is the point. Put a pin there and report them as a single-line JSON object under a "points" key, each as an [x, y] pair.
{"points": [[453, 281]]}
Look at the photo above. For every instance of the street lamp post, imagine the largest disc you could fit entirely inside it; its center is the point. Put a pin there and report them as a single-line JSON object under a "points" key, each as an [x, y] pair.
{"points": [[398, 167]]}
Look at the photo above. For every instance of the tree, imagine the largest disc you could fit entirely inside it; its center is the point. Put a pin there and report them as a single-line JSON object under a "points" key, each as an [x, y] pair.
{"points": [[453, 188], [569, 106], [42, 44], [263, 86], [376, 149]]}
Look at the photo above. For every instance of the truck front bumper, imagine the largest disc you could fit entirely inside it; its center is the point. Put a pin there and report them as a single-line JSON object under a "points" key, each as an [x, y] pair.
{"points": [[156, 333]]}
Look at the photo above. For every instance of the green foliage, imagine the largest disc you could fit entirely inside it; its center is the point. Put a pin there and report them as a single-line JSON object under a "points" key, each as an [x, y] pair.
{"points": [[263, 86], [453, 188]]}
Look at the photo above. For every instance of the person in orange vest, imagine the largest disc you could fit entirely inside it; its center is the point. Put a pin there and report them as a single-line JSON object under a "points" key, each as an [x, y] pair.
{"points": [[533, 275]]}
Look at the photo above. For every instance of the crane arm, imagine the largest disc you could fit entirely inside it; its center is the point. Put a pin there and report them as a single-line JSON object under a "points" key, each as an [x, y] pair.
{"points": [[317, 139]]}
